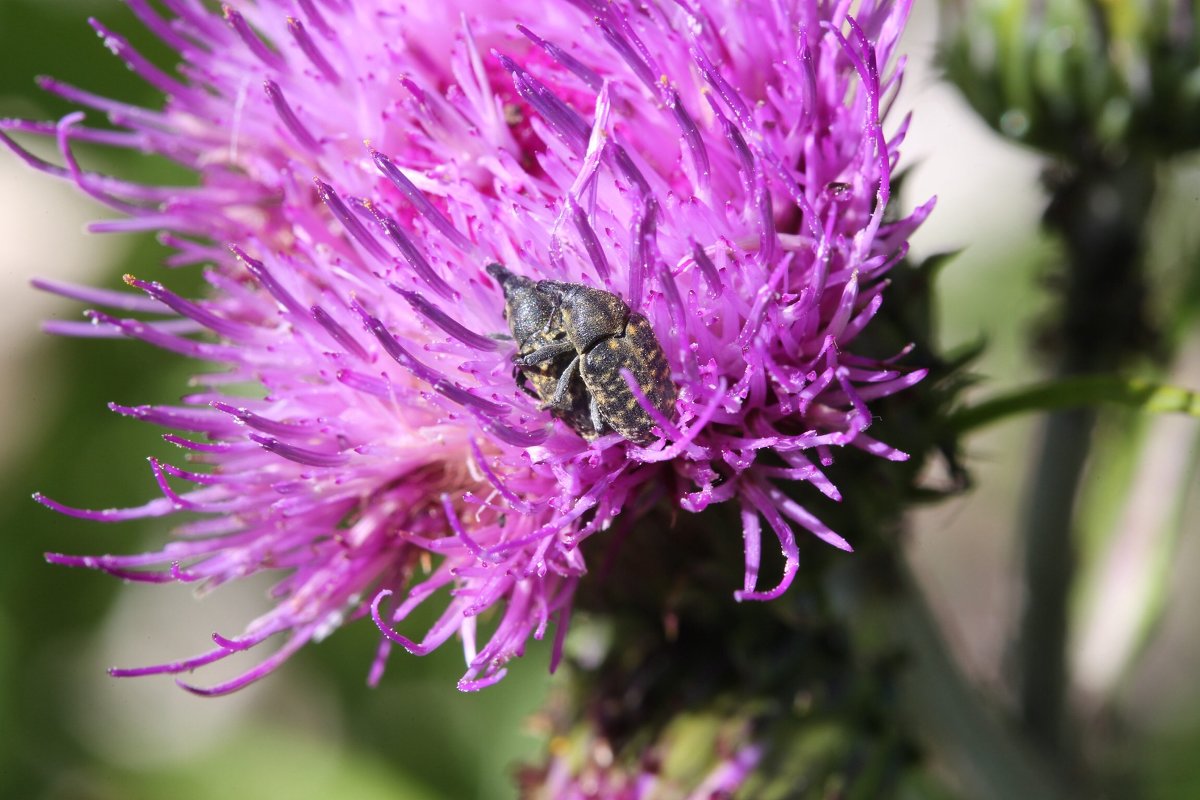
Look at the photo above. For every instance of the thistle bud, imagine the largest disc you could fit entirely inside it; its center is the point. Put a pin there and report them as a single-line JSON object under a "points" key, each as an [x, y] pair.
{"points": [[1080, 79]]}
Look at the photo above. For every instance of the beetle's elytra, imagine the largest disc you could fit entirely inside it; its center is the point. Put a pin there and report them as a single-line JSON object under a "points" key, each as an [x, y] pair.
{"points": [[572, 343]]}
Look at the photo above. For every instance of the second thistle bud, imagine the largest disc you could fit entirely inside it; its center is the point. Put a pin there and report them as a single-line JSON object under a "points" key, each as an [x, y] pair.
{"points": [[1080, 78]]}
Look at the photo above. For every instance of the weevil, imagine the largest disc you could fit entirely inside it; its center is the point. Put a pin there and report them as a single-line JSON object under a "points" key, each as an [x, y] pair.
{"points": [[535, 324], [588, 336]]}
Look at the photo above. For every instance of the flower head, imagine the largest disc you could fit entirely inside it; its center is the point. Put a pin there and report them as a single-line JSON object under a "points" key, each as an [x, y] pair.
{"points": [[594, 773], [720, 166]]}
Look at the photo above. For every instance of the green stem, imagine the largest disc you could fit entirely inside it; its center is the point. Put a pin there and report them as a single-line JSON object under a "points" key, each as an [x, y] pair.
{"points": [[1049, 568], [1079, 391], [1099, 209]]}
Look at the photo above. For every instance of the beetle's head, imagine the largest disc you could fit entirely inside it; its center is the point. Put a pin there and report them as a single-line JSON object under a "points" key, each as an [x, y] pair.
{"points": [[527, 310]]}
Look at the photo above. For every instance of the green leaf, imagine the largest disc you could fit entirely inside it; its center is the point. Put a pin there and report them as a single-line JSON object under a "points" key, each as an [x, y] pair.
{"points": [[1079, 392]]}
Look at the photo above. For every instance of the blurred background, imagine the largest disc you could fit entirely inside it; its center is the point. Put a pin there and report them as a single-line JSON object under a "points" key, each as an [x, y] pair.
{"points": [[313, 730]]}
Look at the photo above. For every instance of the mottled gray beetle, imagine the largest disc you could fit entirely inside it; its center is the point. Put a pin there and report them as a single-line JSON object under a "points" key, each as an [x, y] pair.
{"points": [[564, 330]]}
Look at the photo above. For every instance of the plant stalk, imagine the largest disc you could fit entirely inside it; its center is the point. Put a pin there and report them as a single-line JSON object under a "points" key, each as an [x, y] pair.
{"points": [[1099, 209]]}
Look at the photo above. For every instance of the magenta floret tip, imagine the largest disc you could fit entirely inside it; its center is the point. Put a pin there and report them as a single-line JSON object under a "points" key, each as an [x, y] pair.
{"points": [[395, 447]]}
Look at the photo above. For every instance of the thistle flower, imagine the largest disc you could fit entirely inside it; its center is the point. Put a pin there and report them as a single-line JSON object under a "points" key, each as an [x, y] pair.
{"points": [[719, 165], [600, 777]]}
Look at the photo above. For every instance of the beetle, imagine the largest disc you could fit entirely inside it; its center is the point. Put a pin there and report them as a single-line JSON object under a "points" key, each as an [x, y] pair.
{"points": [[588, 336], [535, 324]]}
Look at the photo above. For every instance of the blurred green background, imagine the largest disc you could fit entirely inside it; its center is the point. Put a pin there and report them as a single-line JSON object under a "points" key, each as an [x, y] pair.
{"points": [[313, 730]]}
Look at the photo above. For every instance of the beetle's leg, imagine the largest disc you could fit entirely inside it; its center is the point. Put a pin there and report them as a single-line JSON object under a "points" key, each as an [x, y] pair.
{"points": [[546, 353], [597, 420], [559, 400], [552, 293], [522, 381]]}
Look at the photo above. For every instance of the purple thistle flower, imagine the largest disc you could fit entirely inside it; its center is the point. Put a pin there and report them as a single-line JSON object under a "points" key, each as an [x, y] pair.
{"points": [[719, 165], [600, 776]]}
